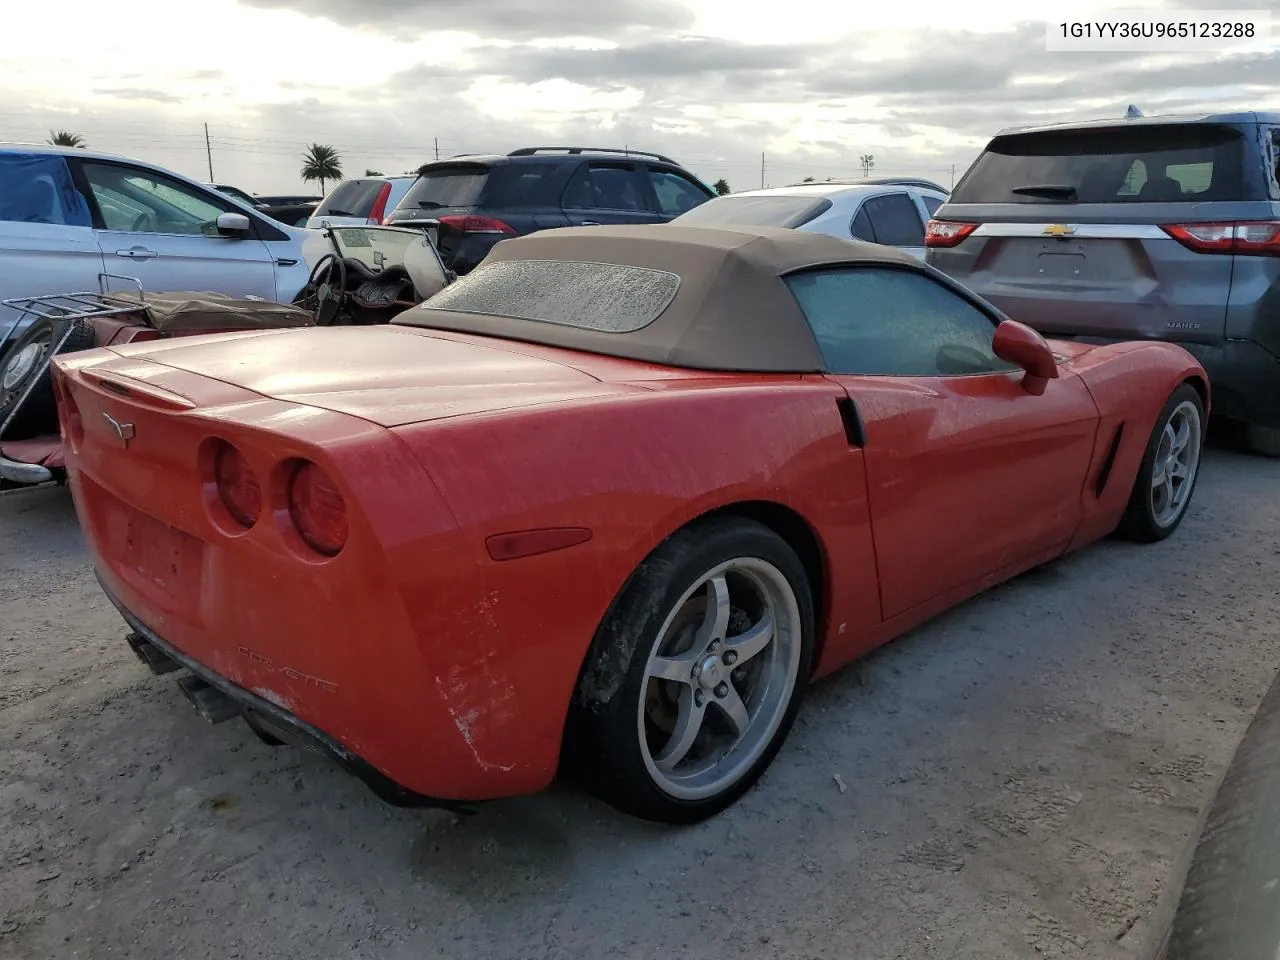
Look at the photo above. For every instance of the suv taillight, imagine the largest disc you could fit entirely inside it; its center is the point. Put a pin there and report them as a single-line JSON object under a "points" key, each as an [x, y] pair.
{"points": [[317, 509], [237, 484], [1255, 238], [471, 223], [947, 233], [379, 212]]}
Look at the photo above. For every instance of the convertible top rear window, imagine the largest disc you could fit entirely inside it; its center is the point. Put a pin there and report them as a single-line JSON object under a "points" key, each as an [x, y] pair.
{"points": [[604, 297]]}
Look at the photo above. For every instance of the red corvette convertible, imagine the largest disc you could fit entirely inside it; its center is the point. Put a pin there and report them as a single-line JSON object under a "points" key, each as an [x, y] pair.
{"points": [[615, 497]]}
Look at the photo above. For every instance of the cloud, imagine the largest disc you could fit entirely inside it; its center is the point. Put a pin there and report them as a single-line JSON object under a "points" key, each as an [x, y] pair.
{"points": [[137, 93], [505, 19], [919, 98]]}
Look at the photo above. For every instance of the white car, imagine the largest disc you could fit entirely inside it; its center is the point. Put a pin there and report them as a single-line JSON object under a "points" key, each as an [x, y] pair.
{"points": [[363, 200], [888, 211], [68, 216]]}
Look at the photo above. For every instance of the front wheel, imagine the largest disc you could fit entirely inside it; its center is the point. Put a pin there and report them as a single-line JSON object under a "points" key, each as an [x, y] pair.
{"points": [[695, 676], [1170, 466]]}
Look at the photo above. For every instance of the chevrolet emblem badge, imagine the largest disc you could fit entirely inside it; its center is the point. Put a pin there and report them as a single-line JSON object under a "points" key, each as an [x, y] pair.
{"points": [[1058, 230]]}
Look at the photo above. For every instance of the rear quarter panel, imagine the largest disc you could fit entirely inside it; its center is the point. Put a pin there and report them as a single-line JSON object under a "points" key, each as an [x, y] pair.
{"points": [[1130, 383], [633, 470]]}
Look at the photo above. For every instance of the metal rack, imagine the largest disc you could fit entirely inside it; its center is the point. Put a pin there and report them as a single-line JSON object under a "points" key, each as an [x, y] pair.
{"points": [[68, 308]]}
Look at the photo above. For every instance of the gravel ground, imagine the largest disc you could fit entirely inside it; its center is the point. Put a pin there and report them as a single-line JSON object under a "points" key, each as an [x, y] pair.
{"points": [[1019, 776]]}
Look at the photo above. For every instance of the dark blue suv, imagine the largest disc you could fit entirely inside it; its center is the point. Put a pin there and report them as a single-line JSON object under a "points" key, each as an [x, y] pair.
{"points": [[480, 200]]}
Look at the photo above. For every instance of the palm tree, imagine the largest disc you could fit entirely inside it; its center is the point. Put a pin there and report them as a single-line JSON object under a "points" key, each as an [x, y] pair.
{"points": [[721, 186], [65, 138], [373, 173], [321, 163]]}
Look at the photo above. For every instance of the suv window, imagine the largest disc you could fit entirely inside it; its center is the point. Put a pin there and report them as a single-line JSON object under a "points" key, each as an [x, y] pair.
{"points": [[439, 187], [354, 198], [895, 220], [861, 227], [1273, 160], [1174, 163], [140, 201], [40, 190], [604, 186], [883, 322], [676, 193], [931, 203], [605, 297]]}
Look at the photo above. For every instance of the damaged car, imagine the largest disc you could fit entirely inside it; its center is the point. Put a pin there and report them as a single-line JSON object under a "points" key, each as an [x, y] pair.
{"points": [[609, 502]]}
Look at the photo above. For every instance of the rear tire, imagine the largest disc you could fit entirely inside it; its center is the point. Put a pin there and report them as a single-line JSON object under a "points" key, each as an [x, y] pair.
{"points": [[696, 673], [1170, 466], [21, 365]]}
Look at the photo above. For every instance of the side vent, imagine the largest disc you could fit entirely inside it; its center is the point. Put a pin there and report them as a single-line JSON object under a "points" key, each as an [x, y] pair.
{"points": [[854, 430], [1104, 473]]}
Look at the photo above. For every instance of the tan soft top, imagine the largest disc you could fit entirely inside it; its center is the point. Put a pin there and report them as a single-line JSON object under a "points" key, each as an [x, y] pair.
{"points": [[731, 311]]}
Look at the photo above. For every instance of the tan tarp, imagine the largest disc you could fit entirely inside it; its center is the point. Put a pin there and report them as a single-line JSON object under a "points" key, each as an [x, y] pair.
{"points": [[185, 312]]}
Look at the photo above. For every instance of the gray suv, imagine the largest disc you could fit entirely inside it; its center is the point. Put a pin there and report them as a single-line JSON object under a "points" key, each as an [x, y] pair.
{"points": [[1163, 227]]}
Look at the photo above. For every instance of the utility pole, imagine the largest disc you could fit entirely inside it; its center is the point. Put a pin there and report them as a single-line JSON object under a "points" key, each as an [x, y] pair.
{"points": [[762, 171], [208, 151], [437, 141], [953, 176]]}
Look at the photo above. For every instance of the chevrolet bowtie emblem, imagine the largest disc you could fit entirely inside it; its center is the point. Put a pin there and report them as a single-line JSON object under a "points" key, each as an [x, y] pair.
{"points": [[1058, 230], [124, 431]]}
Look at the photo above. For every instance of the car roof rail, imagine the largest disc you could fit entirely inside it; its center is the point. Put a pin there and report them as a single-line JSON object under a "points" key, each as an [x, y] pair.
{"points": [[876, 182], [625, 151]]}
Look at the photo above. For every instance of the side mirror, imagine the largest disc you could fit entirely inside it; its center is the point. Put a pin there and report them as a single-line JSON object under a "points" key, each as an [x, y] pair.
{"points": [[1018, 344], [232, 225]]}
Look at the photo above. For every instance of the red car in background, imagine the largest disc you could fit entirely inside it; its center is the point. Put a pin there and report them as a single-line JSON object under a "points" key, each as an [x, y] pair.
{"points": [[616, 496]]}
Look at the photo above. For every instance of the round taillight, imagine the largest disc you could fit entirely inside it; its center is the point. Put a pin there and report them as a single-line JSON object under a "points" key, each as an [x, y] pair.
{"points": [[318, 511], [237, 484]]}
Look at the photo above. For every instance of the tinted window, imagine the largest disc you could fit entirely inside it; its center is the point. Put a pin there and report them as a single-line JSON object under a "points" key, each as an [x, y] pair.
{"points": [[606, 297], [896, 220], [144, 202], [439, 187], [355, 198], [599, 186], [40, 190], [755, 211], [882, 322], [931, 204], [676, 194], [520, 185], [1273, 160], [1160, 163], [861, 228]]}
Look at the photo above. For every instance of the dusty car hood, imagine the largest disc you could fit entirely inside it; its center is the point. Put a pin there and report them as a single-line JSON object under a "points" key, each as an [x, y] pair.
{"points": [[389, 375]]}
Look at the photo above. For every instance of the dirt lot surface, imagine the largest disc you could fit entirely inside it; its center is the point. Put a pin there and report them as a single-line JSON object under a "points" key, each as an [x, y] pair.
{"points": [[1019, 777]]}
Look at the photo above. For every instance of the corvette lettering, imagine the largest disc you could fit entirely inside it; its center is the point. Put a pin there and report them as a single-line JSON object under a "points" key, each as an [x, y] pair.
{"points": [[269, 664]]}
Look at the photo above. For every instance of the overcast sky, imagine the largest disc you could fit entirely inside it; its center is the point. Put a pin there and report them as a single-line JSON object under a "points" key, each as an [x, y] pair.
{"points": [[811, 84]]}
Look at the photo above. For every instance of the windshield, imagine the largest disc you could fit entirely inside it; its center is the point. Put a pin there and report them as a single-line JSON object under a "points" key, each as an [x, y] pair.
{"points": [[1187, 163], [755, 211]]}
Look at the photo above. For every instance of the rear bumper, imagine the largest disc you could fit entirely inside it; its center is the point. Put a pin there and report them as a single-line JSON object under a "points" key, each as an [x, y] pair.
{"points": [[1245, 379], [281, 720]]}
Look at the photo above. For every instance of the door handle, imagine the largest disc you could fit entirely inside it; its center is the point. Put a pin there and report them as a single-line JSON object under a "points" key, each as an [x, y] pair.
{"points": [[137, 253]]}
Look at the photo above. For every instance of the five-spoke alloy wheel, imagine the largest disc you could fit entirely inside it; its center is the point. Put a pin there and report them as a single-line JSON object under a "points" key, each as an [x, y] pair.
{"points": [[1170, 465], [717, 625]]}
